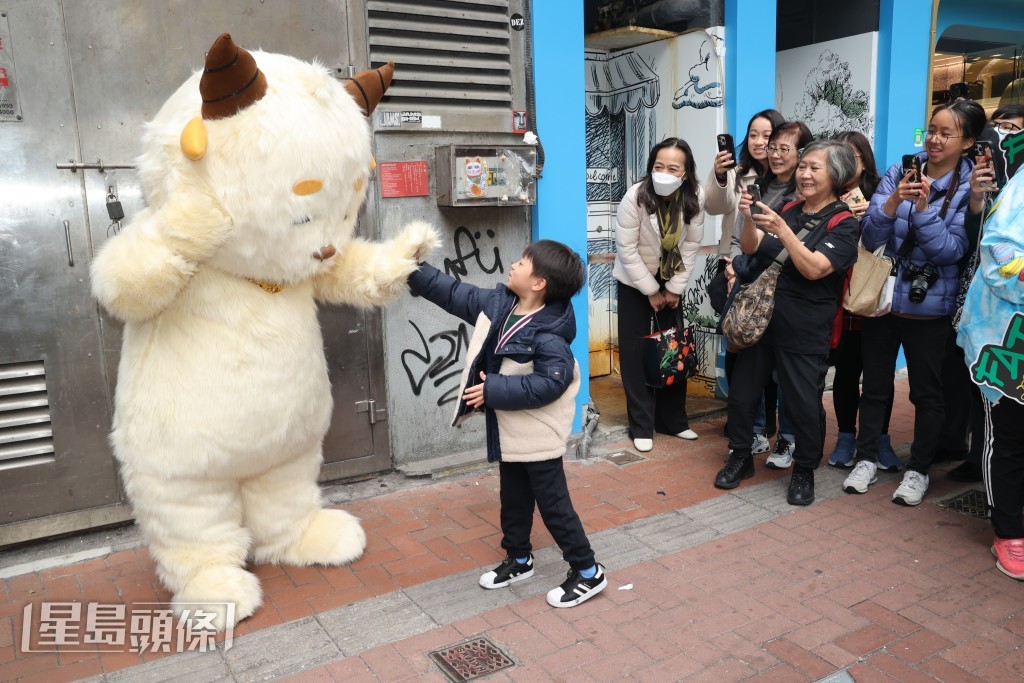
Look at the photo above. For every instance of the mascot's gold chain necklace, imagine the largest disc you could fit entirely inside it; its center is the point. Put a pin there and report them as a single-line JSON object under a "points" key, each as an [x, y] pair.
{"points": [[268, 287]]}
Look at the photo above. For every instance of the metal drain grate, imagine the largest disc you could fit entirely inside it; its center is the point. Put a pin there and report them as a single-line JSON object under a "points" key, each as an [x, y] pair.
{"points": [[624, 457], [972, 503], [471, 659]]}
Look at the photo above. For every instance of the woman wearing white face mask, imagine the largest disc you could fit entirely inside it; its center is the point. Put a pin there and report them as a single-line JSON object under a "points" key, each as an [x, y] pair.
{"points": [[659, 228]]}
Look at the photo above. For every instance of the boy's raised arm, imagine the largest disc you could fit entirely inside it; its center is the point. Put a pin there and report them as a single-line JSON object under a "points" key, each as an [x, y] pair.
{"points": [[458, 298]]}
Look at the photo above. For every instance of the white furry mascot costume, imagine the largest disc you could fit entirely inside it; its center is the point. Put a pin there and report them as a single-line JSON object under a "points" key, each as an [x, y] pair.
{"points": [[254, 172]]}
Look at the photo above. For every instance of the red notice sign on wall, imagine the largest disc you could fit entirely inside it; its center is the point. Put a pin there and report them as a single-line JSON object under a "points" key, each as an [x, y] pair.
{"points": [[403, 179]]}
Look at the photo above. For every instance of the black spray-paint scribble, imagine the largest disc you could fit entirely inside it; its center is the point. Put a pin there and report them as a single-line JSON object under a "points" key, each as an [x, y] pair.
{"points": [[467, 249], [437, 361]]}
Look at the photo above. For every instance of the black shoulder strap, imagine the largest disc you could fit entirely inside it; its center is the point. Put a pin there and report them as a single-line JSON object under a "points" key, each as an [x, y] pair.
{"points": [[813, 222]]}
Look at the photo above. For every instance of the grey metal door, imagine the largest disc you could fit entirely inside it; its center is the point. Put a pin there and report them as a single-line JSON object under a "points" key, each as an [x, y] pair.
{"points": [[54, 406], [105, 67]]}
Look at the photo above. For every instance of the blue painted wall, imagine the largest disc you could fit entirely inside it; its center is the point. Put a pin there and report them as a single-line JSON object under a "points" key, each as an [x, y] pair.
{"points": [[901, 103], [749, 61], [561, 209]]}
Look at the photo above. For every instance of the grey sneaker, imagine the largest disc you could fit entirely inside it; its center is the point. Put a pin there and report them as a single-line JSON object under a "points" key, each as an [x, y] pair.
{"points": [[911, 491], [760, 444], [861, 478], [782, 456]]}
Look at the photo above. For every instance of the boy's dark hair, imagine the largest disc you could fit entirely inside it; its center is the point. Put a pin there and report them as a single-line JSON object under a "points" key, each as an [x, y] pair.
{"points": [[559, 265]]}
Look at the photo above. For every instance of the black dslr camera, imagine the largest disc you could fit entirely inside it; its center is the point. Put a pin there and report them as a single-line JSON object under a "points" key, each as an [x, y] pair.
{"points": [[921, 277]]}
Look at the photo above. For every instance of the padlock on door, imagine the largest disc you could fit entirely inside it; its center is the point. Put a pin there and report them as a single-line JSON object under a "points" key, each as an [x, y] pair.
{"points": [[114, 208]]}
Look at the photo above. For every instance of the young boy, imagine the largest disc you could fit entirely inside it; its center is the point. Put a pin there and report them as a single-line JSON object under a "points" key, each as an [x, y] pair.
{"points": [[521, 373]]}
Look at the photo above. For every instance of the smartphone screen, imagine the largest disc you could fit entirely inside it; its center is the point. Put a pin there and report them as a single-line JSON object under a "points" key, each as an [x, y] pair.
{"points": [[755, 193], [725, 144], [981, 150], [912, 163]]}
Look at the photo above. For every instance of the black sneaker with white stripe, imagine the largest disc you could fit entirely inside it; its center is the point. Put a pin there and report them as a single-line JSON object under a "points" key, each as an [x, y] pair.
{"points": [[576, 589], [508, 572]]}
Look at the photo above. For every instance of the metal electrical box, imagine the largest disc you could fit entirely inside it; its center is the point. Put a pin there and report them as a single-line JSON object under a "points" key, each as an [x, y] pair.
{"points": [[486, 176]]}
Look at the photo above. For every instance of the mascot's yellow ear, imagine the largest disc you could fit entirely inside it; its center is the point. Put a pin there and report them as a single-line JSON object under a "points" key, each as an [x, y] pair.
{"points": [[193, 139]]}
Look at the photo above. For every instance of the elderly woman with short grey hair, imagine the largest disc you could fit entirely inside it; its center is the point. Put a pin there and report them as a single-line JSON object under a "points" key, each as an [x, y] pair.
{"points": [[799, 336]]}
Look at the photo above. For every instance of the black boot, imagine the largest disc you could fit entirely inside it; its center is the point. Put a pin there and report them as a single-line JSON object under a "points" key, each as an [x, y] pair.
{"points": [[801, 486], [966, 471], [737, 468]]}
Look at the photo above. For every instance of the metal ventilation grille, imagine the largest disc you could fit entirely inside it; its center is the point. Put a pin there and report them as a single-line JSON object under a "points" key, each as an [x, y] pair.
{"points": [[26, 437], [447, 54]]}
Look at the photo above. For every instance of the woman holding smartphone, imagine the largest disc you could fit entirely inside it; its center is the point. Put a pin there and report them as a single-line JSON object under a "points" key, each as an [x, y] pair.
{"points": [[727, 181], [848, 356], [820, 237], [723, 187], [776, 186], [919, 217], [659, 228]]}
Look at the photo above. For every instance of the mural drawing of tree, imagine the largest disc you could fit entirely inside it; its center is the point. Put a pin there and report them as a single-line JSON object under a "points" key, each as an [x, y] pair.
{"points": [[830, 104]]}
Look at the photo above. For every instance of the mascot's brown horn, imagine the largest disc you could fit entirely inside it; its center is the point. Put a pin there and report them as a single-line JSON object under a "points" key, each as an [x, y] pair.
{"points": [[231, 80], [367, 87]]}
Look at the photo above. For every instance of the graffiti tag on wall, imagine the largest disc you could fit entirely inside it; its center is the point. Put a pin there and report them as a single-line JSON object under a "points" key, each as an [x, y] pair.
{"points": [[466, 248], [434, 365], [437, 359]]}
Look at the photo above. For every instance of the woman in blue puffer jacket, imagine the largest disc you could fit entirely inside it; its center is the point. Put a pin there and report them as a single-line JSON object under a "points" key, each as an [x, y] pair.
{"points": [[921, 225]]}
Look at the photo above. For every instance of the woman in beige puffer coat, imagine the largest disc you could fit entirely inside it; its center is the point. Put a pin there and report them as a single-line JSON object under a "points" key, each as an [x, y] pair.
{"points": [[659, 229]]}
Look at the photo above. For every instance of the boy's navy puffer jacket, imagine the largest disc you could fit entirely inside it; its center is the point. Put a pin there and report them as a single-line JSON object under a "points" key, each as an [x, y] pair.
{"points": [[941, 241], [544, 342]]}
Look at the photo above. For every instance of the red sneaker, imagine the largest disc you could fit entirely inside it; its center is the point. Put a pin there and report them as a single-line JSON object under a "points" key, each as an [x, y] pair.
{"points": [[1009, 554]]}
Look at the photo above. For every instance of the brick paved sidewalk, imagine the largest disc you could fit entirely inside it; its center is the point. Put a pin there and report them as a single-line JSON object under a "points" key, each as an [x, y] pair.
{"points": [[854, 584], [758, 597]]}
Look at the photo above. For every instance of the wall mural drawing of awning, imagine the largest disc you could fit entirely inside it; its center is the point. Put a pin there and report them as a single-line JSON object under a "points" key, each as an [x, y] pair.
{"points": [[620, 81]]}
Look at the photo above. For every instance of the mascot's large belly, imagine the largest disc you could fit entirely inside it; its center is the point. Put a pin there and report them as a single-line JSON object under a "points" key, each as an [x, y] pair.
{"points": [[228, 382]]}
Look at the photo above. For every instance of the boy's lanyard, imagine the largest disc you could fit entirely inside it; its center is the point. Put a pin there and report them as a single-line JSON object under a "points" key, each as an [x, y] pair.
{"points": [[520, 324]]}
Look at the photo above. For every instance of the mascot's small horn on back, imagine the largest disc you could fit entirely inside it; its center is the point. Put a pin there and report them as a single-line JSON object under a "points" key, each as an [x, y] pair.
{"points": [[253, 173]]}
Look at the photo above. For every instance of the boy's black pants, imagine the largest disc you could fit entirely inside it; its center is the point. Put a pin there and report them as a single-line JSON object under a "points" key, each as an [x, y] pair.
{"points": [[524, 484]]}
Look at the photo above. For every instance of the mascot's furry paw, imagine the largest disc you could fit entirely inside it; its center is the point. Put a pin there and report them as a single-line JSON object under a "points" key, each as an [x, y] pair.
{"points": [[209, 589], [369, 274], [417, 240], [333, 537]]}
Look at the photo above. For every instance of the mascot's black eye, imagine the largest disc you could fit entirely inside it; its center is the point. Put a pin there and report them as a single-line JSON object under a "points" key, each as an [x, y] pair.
{"points": [[300, 221]]}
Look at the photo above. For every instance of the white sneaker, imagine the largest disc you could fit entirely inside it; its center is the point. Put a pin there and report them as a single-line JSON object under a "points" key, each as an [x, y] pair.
{"points": [[760, 445], [643, 445], [688, 434], [861, 478], [911, 491], [782, 456]]}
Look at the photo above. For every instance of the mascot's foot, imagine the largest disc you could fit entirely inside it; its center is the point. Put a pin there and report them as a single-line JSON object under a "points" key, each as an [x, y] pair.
{"points": [[333, 537], [211, 588]]}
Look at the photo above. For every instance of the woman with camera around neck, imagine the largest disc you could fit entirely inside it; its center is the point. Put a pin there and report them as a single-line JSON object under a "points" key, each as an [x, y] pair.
{"points": [[921, 223], [797, 339], [659, 228]]}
